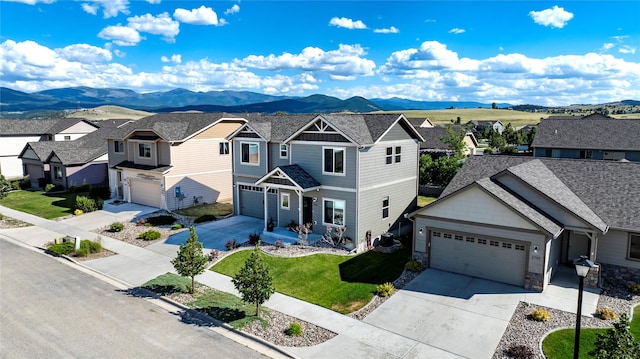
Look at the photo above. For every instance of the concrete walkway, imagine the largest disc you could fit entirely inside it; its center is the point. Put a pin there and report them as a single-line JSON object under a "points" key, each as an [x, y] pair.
{"points": [[429, 318]]}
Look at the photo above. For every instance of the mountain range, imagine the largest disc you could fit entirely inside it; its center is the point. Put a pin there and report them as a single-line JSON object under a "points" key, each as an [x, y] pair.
{"points": [[13, 101]]}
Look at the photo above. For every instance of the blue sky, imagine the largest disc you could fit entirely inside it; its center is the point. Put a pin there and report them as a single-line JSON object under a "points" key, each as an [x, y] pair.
{"points": [[537, 52]]}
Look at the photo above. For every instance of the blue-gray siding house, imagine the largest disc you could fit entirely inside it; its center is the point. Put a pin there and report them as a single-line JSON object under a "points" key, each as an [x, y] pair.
{"points": [[358, 171]]}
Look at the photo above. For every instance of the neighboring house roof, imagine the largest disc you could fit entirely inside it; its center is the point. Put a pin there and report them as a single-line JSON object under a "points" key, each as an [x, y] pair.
{"points": [[113, 123], [294, 174], [79, 151], [608, 188], [485, 123], [131, 165], [15, 127], [594, 133], [432, 138], [173, 127], [420, 122]]}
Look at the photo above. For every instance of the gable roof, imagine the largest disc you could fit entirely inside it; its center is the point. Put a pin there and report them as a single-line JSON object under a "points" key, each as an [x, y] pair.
{"points": [[173, 127], [16, 127], [432, 138], [588, 133], [82, 150], [608, 188], [291, 176]]}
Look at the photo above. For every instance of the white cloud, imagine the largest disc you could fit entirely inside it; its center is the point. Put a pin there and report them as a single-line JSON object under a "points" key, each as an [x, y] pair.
{"points": [[33, 2], [232, 10], [121, 35], [175, 58], [391, 30], [554, 17], [201, 16], [159, 25], [90, 8], [110, 8], [154, 1], [347, 23], [456, 31], [607, 46], [626, 49], [84, 53], [119, 53], [430, 20], [346, 62]]}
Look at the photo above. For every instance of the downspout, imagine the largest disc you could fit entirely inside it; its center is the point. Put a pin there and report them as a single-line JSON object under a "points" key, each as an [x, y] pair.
{"points": [[413, 233]]}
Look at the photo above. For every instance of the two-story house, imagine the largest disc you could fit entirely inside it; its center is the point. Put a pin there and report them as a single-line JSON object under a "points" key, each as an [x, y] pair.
{"points": [[480, 126], [358, 171], [596, 137], [172, 160], [16, 133]]}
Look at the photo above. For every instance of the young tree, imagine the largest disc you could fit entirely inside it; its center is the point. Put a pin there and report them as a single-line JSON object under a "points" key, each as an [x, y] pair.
{"points": [[618, 342], [455, 139], [254, 281], [190, 261]]}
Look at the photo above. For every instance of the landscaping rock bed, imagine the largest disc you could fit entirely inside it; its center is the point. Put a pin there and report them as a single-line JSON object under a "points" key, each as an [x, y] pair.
{"points": [[524, 331], [8, 223], [132, 230]]}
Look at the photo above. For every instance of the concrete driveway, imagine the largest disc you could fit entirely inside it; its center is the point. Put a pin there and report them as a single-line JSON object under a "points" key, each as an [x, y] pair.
{"points": [[214, 235]]}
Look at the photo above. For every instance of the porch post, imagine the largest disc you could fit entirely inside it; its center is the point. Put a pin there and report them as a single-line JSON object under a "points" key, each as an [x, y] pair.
{"points": [[299, 193], [593, 245], [265, 206]]}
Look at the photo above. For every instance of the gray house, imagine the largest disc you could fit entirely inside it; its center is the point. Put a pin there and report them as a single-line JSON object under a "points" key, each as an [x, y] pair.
{"points": [[595, 137], [518, 219], [339, 170]]}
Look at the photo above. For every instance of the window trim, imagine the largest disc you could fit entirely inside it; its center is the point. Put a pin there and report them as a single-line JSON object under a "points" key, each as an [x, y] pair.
{"points": [[324, 208], [632, 236], [385, 208], [117, 148], [282, 201], [283, 148], [56, 170], [389, 155], [333, 151], [249, 143], [223, 148], [150, 151], [398, 154]]}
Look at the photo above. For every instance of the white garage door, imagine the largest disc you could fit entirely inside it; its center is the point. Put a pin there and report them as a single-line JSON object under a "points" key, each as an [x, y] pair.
{"points": [[147, 193], [493, 259]]}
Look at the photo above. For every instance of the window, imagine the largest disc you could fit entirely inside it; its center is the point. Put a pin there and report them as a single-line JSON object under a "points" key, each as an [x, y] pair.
{"points": [[436, 234], [118, 146], [333, 160], [482, 241], [284, 200], [586, 154], [389, 157], [634, 246], [144, 150], [250, 153], [57, 172], [385, 207], [447, 235], [67, 138], [224, 148], [334, 212], [398, 150], [494, 243], [470, 239], [506, 245], [519, 247], [458, 237], [284, 151]]}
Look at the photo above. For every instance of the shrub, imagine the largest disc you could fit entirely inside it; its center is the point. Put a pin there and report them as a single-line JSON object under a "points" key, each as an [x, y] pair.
{"points": [[540, 315], [213, 255], [279, 243], [231, 244], [116, 227], [63, 248], [148, 224], [149, 235], [176, 226], [414, 266], [205, 218], [49, 187], [385, 289], [161, 220], [294, 330], [15, 185], [102, 192], [82, 251], [606, 314], [87, 204], [77, 212], [25, 183], [488, 150], [520, 352], [634, 288], [254, 238]]}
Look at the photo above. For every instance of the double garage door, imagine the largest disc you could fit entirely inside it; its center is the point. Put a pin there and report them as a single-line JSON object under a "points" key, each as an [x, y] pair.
{"points": [[494, 259], [145, 192]]}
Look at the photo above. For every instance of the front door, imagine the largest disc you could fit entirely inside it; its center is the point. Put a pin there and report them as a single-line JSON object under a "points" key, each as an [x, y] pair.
{"points": [[119, 184], [307, 210], [578, 246]]}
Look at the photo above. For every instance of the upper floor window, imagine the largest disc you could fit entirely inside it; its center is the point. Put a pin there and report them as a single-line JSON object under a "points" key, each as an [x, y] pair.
{"points": [[333, 159], [634, 246], [586, 154], [389, 156], [144, 150], [224, 148], [398, 151], [385, 207], [334, 212], [118, 146], [250, 153], [284, 151]]}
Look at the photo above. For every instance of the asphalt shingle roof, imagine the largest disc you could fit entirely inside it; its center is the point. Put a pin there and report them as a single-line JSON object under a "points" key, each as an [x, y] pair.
{"points": [[432, 136], [299, 176], [588, 133], [611, 189], [15, 127]]}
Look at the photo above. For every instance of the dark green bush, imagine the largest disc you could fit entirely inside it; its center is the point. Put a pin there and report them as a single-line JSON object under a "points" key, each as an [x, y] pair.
{"points": [[205, 218], [86, 204], [116, 227], [294, 330], [15, 185], [91, 246], [49, 187], [161, 220], [177, 226], [102, 192], [82, 251], [414, 266], [62, 248], [149, 235]]}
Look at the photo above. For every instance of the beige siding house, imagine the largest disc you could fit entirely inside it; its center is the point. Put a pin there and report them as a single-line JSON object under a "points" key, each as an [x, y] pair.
{"points": [[173, 160]]}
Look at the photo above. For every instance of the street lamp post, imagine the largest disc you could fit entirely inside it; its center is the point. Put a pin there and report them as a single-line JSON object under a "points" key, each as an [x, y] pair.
{"points": [[582, 264]]}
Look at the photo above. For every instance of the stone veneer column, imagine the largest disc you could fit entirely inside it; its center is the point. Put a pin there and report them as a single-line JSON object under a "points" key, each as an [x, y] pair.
{"points": [[534, 281], [591, 280], [615, 273]]}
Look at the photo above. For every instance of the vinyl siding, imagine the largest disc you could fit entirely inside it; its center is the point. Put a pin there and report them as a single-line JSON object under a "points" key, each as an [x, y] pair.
{"points": [[373, 167], [613, 249], [397, 132], [249, 169], [76, 131], [93, 173], [286, 216], [115, 158], [164, 153], [11, 146], [197, 156], [217, 131], [210, 186], [351, 210], [274, 156], [310, 158]]}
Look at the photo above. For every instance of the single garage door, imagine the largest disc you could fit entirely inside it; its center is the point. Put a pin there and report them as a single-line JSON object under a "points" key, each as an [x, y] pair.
{"points": [[494, 259], [251, 198], [145, 192]]}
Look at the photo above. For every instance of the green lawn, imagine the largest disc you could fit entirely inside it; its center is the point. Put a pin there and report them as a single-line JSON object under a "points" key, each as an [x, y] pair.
{"points": [[559, 344], [41, 204], [423, 200], [343, 284]]}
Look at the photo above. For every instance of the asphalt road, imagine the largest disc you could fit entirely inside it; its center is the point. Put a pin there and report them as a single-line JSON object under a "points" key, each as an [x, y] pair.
{"points": [[49, 309]]}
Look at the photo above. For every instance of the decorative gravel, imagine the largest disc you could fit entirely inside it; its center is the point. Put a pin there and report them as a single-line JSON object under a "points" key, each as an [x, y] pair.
{"points": [[8, 223], [131, 230], [524, 331]]}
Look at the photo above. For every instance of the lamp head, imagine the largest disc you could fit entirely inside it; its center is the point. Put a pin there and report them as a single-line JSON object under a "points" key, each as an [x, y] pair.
{"points": [[583, 264]]}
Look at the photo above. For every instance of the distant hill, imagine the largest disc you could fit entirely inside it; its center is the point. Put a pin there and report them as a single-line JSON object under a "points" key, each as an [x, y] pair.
{"points": [[396, 103], [101, 113]]}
